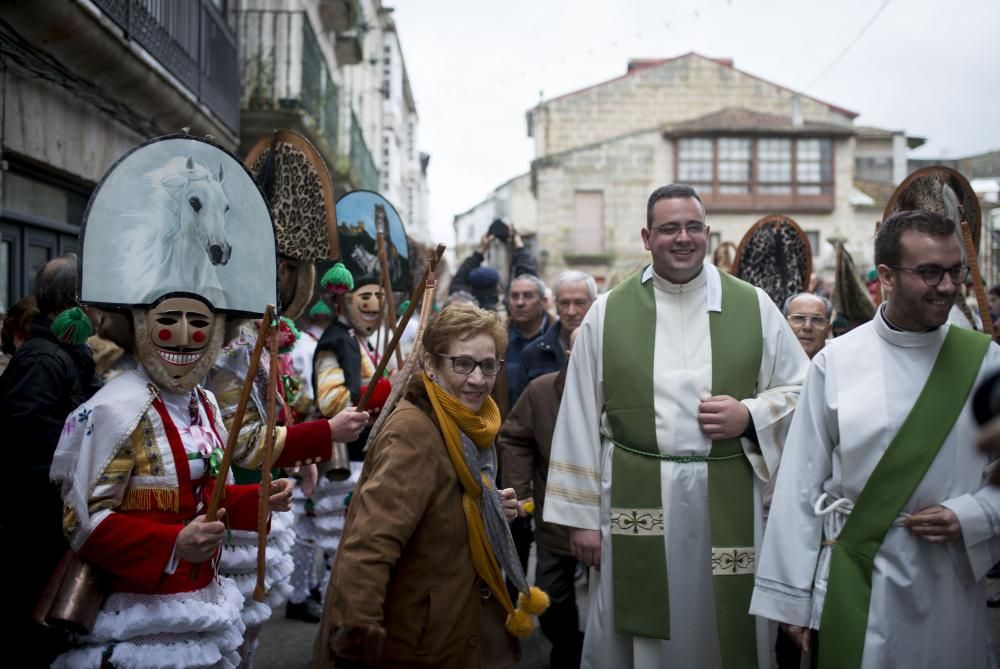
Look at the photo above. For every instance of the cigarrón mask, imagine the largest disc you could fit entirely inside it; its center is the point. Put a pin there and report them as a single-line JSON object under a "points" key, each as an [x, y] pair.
{"points": [[177, 341]]}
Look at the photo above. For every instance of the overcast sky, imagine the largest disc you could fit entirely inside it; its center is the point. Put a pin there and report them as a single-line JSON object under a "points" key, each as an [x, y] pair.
{"points": [[929, 67]]}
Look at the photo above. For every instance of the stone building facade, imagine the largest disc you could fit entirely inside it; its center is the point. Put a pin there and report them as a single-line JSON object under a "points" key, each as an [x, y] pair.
{"points": [[750, 147], [378, 87], [334, 70], [82, 83]]}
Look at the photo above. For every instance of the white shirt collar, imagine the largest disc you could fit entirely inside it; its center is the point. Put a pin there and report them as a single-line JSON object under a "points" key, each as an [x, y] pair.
{"points": [[713, 285]]}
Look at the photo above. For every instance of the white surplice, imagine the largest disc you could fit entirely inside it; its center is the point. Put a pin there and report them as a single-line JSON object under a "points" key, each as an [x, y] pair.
{"points": [[579, 479], [927, 603]]}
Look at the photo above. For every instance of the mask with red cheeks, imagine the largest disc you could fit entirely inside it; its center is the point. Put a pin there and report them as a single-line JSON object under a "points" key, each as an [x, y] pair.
{"points": [[363, 308], [177, 341]]}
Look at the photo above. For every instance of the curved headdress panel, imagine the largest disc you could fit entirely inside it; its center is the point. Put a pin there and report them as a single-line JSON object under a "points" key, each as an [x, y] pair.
{"points": [[724, 257], [178, 214], [850, 295], [358, 213], [775, 256], [928, 187], [296, 182]]}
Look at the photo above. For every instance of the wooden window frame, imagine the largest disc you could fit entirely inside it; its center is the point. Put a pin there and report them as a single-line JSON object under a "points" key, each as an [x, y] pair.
{"points": [[755, 201]]}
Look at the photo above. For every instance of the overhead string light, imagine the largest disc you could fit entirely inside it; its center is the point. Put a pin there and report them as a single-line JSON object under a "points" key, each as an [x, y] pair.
{"points": [[846, 49]]}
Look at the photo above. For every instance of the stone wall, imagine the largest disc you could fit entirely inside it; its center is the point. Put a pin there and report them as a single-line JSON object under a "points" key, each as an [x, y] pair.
{"points": [[680, 89], [48, 124], [627, 170]]}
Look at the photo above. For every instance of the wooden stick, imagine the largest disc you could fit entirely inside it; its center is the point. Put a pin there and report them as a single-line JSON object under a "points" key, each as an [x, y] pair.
{"points": [[321, 649], [259, 593], [211, 514], [390, 306], [977, 279], [415, 296], [398, 388], [241, 408]]}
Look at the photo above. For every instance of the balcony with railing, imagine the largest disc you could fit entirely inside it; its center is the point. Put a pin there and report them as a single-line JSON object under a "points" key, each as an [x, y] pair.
{"points": [[362, 163], [287, 83], [284, 70], [193, 42]]}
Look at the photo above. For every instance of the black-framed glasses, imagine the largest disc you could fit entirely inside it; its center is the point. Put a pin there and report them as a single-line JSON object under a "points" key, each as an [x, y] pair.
{"points": [[673, 229], [932, 274], [463, 364], [817, 321]]}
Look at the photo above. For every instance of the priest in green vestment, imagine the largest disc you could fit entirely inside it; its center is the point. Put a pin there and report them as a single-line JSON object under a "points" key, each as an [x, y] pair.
{"points": [[882, 529], [678, 398]]}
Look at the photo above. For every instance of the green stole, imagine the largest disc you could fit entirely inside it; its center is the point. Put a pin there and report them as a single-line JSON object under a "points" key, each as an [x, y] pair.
{"points": [[639, 563], [844, 620]]}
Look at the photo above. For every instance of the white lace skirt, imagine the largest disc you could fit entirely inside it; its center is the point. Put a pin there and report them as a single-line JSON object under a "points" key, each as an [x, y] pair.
{"points": [[329, 506], [239, 562], [198, 630]]}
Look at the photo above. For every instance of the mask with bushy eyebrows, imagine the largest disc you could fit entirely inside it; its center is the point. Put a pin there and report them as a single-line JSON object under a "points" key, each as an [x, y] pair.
{"points": [[363, 308], [177, 341]]}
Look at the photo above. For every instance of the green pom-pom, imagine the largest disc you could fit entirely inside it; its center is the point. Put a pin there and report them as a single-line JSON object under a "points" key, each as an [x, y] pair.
{"points": [[403, 307], [338, 280], [72, 326], [320, 309]]}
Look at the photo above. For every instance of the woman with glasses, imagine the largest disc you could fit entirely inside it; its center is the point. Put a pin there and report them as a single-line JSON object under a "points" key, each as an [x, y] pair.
{"points": [[418, 580]]}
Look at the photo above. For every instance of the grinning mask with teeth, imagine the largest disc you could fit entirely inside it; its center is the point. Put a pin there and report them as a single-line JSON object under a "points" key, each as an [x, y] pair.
{"points": [[177, 340], [363, 308]]}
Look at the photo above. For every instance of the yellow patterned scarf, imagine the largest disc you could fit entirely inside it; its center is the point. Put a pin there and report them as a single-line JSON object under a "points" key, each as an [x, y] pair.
{"points": [[481, 428]]}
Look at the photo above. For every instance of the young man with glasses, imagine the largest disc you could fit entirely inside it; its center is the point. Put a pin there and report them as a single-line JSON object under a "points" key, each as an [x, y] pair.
{"points": [[679, 392], [882, 531], [809, 316]]}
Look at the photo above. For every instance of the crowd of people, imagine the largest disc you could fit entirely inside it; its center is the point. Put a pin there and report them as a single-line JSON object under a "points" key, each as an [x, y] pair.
{"points": [[731, 485]]}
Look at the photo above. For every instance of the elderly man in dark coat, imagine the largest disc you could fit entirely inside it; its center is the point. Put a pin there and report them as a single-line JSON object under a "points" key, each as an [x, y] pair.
{"points": [[524, 445]]}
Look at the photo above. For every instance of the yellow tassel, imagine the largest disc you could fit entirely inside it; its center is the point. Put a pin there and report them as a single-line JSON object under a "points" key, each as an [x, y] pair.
{"points": [[535, 603], [151, 499], [519, 624]]}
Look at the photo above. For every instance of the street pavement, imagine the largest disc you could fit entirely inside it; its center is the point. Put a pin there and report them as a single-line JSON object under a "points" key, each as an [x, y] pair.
{"points": [[287, 644]]}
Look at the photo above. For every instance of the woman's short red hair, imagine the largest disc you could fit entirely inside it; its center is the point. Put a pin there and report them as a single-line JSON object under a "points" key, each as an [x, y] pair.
{"points": [[461, 321]]}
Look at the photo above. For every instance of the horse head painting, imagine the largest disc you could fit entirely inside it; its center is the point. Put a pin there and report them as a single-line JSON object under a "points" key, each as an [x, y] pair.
{"points": [[184, 234], [179, 215]]}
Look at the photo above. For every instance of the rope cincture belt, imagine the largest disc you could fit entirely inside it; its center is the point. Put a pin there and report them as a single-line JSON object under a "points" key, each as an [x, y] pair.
{"points": [[678, 458]]}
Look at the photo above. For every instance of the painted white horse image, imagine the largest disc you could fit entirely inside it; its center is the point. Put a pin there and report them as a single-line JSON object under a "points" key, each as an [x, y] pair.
{"points": [[366, 260], [180, 238]]}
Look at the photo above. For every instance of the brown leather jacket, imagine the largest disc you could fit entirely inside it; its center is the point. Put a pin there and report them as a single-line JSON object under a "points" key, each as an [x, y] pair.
{"points": [[404, 591], [524, 445]]}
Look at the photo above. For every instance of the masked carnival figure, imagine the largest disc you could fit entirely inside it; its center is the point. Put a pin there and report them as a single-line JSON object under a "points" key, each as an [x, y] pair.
{"points": [[295, 181], [348, 352], [176, 238]]}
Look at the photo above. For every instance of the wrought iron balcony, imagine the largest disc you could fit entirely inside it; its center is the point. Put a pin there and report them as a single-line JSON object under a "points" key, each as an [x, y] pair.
{"points": [[362, 162], [193, 42], [284, 68]]}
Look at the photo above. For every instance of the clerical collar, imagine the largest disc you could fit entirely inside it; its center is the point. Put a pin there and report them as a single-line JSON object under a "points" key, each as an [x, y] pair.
{"points": [[881, 311], [896, 336], [708, 277]]}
